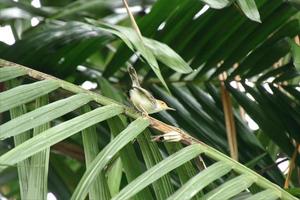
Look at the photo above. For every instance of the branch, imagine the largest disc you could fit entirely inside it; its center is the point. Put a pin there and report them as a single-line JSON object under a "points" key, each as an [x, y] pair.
{"points": [[291, 167], [229, 119], [133, 22]]}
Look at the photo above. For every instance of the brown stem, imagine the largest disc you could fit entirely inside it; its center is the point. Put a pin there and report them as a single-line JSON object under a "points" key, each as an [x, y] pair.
{"points": [[291, 167], [229, 119], [133, 22], [238, 86]]}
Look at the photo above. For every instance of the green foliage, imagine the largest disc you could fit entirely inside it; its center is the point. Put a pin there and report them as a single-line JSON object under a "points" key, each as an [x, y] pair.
{"points": [[184, 48], [96, 162]]}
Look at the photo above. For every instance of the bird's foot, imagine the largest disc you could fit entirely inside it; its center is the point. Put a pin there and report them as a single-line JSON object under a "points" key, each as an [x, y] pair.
{"points": [[144, 112]]}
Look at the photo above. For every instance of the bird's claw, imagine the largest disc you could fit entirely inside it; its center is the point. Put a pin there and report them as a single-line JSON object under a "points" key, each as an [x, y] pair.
{"points": [[145, 115]]}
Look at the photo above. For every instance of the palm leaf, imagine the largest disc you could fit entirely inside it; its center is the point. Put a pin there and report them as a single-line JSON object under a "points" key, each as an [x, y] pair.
{"points": [[110, 109]]}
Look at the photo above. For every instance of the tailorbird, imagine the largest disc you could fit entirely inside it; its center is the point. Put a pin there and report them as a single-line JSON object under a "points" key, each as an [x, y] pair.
{"points": [[142, 99]]}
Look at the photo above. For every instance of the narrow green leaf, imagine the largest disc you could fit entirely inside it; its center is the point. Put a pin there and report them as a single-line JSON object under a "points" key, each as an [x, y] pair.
{"points": [[162, 187], [24, 166], [14, 13], [252, 163], [230, 188], [42, 115], [76, 7], [38, 177], [185, 171], [158, 171], [149, 49], [7, 73], [168, 56], [99, 189], [294, 191], [135, 128], [111, 92], [134, 42], [254, 109], [198, 182], [131, 163], [242, 196], [192, 122], [64, 177], [25, 93], [250, 9], [261, 38], [280, 102], [288, 68], [262, 59], [265, 195], [114, 176], [57, 134], [191, 104], [241, 169], [26, 6], [148, 25], [295, 49]]}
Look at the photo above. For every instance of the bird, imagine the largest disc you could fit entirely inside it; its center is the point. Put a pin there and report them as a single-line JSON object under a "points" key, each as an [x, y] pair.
{"points": [[142, 99]]}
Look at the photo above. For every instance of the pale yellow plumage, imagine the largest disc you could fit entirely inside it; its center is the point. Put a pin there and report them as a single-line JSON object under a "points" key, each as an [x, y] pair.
{"points": [[142, 99]]}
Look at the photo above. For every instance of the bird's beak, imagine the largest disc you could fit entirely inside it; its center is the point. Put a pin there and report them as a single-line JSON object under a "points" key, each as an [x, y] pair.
{"points": [[169, 108]]}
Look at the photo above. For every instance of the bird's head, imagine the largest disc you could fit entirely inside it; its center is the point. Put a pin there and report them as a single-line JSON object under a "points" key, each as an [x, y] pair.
{"points": [[163, 106]]}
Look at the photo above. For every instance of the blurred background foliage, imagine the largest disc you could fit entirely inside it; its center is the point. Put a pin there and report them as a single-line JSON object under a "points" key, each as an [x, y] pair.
{"points": [[253, 55]]}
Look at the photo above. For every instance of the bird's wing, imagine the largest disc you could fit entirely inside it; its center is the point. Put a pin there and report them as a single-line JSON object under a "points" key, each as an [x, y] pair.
{"points": [[147, 94]]}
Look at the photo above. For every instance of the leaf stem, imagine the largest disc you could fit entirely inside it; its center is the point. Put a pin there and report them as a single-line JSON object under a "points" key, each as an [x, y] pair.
{"points": [[133, 22]]}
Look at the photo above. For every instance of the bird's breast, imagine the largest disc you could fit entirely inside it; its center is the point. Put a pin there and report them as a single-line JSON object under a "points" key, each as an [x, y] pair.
{"points": [[140, 100]]}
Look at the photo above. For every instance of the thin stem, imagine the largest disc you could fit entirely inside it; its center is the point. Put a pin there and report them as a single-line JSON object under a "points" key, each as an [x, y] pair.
{"points": [[291, 167], [229, 119], [238, 85], [133, 22]]}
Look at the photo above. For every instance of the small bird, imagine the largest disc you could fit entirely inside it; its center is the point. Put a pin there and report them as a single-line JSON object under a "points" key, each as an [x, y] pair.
{"points": [[143, 100]]}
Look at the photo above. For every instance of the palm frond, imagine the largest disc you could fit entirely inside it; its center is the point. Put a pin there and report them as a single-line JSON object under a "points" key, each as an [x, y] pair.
{"points": [[231, 173]]}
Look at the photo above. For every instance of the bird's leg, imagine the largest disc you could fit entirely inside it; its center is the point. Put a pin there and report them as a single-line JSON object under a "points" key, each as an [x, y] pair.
{"points": [[142, 111]]}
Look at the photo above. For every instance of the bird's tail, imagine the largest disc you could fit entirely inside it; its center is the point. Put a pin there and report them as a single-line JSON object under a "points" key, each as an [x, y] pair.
{"points": [[134, 77]]}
